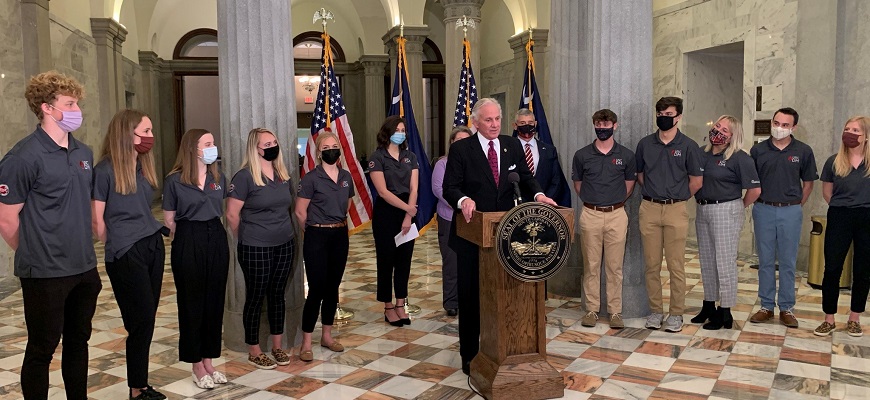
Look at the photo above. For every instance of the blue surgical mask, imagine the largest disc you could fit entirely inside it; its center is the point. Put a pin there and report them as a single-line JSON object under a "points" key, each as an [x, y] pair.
{"points": [[209, 155], [398, 138]]}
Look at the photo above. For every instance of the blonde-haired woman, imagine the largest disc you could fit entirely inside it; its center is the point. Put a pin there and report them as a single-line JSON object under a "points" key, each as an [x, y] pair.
{"points": [[193, 200], [728, 170], [321, 207], [124, 182], [259, 217], [846, 188]]}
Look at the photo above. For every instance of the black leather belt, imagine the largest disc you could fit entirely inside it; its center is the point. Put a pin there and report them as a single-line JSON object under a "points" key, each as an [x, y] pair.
{"points": [[662, 201], [705, 202], [778, 204], [605, 208]]}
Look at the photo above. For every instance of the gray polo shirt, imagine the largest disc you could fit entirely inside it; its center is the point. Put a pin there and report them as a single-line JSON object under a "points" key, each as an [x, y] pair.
{"points": [[783, 172], [603, 175], [128, 216], [265, 217], [328, 198], [851, 191], [191, 203], [666, 167], [397, 173], [725, 179], [54, 183]]}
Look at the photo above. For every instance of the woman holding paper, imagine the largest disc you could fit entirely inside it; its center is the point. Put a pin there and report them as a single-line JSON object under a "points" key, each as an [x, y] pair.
{"points": [[393, 170]]}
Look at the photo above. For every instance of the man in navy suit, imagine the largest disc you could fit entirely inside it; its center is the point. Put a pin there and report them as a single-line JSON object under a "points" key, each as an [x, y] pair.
{"points": [[541, 158], [477, 179]]}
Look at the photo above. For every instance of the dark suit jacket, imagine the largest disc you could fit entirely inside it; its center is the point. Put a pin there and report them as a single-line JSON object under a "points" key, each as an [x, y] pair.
{"points": [[549, 172]]}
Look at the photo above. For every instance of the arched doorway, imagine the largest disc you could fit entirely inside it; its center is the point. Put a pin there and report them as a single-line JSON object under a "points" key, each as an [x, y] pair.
{"points": [[197, 98]]}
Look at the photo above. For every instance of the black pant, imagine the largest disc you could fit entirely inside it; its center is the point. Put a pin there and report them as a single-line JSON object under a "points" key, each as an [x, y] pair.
{"points": [[200, 262], [266, 271], [394, 263], [325, 252], [468, 265], [846, 225], [54, 307], [137, 277]]}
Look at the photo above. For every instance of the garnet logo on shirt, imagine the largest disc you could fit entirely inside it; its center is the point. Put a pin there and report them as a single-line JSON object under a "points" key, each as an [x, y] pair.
{"points": [[616, 161], [406, 160], [4, 190], [215, 186], [794, 159], [677, 153], [231, 188], [344, 184], [721, 163], [371, 164], [84, 165]]}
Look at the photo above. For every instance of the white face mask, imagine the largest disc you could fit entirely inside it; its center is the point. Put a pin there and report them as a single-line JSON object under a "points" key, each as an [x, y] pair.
{"points": [[779, 133]]}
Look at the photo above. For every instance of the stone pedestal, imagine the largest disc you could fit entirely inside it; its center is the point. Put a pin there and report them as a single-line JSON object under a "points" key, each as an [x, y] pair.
{"points": [[109, 35], [453, 11], [36, 35], [518, 45], [584, 79], [255, 67], [415, 36], [375, 69]]}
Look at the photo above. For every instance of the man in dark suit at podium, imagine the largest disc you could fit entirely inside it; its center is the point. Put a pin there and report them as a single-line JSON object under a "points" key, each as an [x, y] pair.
{"points": [[541, 158], [476, 179]]}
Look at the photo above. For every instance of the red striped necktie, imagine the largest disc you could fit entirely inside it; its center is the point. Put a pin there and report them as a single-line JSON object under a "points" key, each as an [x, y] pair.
{"points": [[530, 161], [492, 157]]}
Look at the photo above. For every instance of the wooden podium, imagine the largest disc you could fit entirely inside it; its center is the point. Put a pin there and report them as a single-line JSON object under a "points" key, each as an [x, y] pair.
{"points": [[512, 362]]}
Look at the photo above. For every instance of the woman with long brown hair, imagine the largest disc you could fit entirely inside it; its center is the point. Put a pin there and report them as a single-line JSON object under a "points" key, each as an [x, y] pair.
{"points": [[258, 212], [846, 188], [124, 183], [193, 200]]}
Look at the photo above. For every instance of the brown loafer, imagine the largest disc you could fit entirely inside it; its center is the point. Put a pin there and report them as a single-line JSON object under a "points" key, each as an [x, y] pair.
{"points": [[335, 346], [306, 356], [788, 319], [763, 315]]}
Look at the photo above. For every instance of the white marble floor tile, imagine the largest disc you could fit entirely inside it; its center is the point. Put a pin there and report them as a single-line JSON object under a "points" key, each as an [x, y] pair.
{"points": [[258, 379], [773, 328], [675, 339], [391, 365], [403, 387], [335, 391], [458, 380], [381, 346], [820, 346], [569, 349], [592, 367], [747, 376], [447, 358], [704, 355], [804, 370], [425, 325], [649, 361], [328, 371], [851, 363], [263, 395], [117, 391], [184, 387], [617, 343], [688, 383], [624, 390], [757, 350], [437, 341]]}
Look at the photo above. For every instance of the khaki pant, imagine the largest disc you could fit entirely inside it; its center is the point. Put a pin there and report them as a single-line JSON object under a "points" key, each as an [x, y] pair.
{"points": [[603, 234], [664, 226]]}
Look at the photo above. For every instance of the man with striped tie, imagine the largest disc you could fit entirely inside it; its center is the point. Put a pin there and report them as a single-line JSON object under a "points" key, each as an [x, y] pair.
{"points": [[542, 159]]}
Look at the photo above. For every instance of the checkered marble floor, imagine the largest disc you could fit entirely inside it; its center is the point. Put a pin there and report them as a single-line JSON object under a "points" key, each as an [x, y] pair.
{"points": [[421, 361]]}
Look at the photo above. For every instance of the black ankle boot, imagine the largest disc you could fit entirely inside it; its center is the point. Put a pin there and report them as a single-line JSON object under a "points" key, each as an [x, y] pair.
{"points": [[727, 319], [707, 311], [722, 318]]}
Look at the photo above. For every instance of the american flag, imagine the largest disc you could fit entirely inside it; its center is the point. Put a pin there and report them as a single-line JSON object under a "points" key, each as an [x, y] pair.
{"points": [[330, 116], [467, 88]]}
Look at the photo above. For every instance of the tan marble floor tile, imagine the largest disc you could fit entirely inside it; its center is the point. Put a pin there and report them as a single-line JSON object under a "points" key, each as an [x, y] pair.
{"points": [[752, 362], [559, 361], [376, 396], [298, 366], [429, 372], [643, 376], [606, 355], [364, 378], [668, 394], [695, 368], [761, 338], [355, 358], [711, 344], [297, 386], [732, 390], [403, 335], [415, 352], [660, 349], [578, 337], [581, 382], [809, 357], [439, 392], [802, 385]]}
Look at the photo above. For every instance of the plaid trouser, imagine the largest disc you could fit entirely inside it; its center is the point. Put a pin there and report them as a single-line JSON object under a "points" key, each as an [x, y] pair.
{"points": [[266, 271], [718, 228]]}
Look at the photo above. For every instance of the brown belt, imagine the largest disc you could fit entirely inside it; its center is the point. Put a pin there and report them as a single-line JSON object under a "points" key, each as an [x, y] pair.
{"points": [[604, 209], [662, 201], [335, 225], [778, 204]]}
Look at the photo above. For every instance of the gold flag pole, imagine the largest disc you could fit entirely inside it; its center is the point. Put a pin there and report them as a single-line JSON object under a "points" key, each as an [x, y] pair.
{"points": [[466, 23], [341, 315]]}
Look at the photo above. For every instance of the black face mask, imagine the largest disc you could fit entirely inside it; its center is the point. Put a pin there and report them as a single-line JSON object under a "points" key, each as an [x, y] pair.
{"points": [[526, 130], [665, 123], [330, 156], [603, 133], [271, 153]]}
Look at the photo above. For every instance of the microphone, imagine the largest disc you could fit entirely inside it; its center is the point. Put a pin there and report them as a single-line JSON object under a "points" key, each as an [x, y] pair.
{"points": [[514, 179]]}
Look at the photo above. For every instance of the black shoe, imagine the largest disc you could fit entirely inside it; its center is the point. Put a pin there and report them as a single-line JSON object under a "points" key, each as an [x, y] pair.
{"points": [[466, 367], [393, 323], [147, 394], [451, 312], [707, 311], [406, 321], [722, 318]]}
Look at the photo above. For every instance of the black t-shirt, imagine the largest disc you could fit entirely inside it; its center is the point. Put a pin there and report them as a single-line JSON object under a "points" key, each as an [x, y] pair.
{"points": [[783, 172], [666, 167], [191, 203], [128, 217], [851, 191], [726, 179], [265, 217], [603, 175], [54, 183], [397, 173], [328, 198]]}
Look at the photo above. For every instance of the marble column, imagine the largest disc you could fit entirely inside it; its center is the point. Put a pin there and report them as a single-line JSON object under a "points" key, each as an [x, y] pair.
{"points": [[255, 68], [109, 36], [375, 68], [588, 39], [150, 104], [518, 45], [36, 35], [415, 36], [165, 94], [453, 11]]}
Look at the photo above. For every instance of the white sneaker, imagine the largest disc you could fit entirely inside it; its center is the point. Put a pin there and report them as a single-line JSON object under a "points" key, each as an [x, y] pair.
{"points": [[674, 324], [654, 321]]}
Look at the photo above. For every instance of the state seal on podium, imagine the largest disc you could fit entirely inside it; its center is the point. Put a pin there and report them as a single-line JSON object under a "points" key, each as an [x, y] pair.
{"points": [[533, 241]]}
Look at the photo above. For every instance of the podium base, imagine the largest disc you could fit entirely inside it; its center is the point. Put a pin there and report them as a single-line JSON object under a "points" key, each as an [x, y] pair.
{"points": [[523, 376]]}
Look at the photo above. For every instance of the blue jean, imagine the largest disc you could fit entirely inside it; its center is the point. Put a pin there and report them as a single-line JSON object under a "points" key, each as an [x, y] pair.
{"points": [[777, 236]]}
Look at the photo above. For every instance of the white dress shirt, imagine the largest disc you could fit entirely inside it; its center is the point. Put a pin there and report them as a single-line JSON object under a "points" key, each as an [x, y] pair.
{"points": [[533, 146], [484, 145]]}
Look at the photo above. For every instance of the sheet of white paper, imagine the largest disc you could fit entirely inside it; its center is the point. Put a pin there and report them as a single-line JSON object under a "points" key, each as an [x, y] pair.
{"points": [[412, 234]]}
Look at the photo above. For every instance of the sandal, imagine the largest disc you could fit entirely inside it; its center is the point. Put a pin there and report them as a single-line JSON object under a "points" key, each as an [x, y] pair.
{"points": [[405, 321], [387, 320]]}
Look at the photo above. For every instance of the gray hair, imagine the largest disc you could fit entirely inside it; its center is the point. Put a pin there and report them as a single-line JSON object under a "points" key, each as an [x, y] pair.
{"points": [[482, 102], [524, 112]]}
